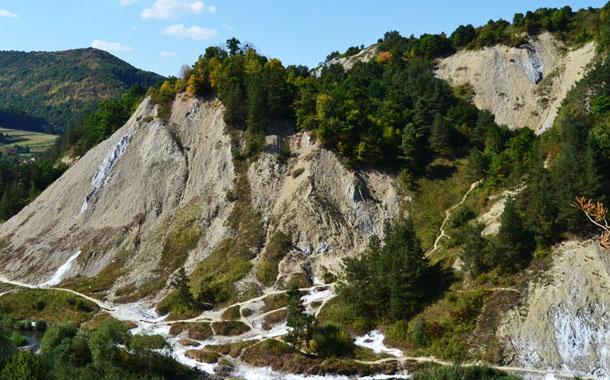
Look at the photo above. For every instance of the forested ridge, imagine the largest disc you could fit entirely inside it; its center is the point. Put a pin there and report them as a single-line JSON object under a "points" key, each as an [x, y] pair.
{"points": [[52, 91]]}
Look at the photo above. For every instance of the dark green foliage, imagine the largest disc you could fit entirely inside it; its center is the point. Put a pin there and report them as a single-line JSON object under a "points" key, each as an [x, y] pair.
{"points": [[24, 365], [98, 125], [7, 349], [512, 248], [300, 324], [463, 36], [107, 352], [461, 217], [332, 341], [441, 137], [390, 281], [180, 283], [68, 83], [461, 373], [22, 181], [474, 249]]}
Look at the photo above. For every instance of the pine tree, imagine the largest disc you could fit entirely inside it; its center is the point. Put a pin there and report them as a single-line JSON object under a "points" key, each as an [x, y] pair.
{"points": [[300, 324], [411, 146], [180, 283], [440, 137], [541, 213], [390, 281], [473, 252], [514, 245]]}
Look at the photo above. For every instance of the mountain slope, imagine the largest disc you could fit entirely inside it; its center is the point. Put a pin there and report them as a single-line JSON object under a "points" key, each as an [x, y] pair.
{"points": [[129, 194], [522, 86], [51, 90]]}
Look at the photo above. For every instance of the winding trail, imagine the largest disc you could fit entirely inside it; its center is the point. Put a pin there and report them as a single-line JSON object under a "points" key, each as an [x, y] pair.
{"points": [[111, 308], [101, 304], [448, 212]]}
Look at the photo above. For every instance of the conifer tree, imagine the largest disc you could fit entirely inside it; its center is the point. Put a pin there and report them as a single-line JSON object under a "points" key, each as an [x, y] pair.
{"points": [[440, 137], [300, 324]]}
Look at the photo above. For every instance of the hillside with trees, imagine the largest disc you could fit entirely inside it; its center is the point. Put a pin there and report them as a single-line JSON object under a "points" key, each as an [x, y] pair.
{"points": [[435, 281], [51, 91]]}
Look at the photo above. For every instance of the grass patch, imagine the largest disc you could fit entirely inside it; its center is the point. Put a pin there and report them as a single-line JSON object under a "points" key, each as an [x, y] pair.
{"points": [[177, 309], [197, 331], [203, 356], [231, 349], [274, 252], [231, 313], [442, 187], [340, 313], [274, 318], [49, 305], [34, 142], [229, 328], [274, 302], [443, 329], [282, 357], [435, 372], [216, 274], [183, 235], [146, 342]]}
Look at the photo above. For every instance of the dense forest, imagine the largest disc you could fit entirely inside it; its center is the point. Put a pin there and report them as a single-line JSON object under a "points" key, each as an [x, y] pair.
{"points": [[52, 91]]}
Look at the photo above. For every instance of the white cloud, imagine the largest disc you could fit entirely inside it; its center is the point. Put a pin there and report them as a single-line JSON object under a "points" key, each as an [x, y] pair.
{"points": [[125, 3], [165, 53], [5, 13], [111, 47], [194, 32], [170, 9]]}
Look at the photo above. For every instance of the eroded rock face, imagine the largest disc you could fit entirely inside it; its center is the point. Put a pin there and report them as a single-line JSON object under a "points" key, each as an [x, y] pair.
{"points": [[330, 211], [118, 204], [523, 87], [363, 55], [564, 322]]}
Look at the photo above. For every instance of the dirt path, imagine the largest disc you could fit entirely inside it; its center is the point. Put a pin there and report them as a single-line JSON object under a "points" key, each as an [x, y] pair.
{"points": [[102, 305], [510, 369], [420, 359], [448, 212]]}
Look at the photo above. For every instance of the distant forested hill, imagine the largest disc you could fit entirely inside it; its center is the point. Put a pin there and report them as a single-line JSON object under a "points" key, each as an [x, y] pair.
{"points": [[50, 91]]}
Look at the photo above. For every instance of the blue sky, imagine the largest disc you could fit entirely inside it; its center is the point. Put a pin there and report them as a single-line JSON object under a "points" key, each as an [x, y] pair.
{"points": [[162, 35]]}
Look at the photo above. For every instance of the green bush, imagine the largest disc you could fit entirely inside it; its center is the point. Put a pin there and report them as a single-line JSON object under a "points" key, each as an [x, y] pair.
{"points": [[461, 217], [332, 341]]}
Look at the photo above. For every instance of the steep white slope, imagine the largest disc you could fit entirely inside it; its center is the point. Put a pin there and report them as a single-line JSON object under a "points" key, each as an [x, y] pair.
{"points": [[119, 203], [523, 87], [564, 323]]}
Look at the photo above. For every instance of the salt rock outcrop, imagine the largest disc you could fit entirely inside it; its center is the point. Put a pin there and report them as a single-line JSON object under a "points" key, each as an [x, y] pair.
{"points": [[522, 86], [563, 323], [119, 202]]}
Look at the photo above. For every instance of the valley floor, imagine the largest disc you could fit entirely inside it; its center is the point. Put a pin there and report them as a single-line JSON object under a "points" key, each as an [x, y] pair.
{"points": [[148, 322]]}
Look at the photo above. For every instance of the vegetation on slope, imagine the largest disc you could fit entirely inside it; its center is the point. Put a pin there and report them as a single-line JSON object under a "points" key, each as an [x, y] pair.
{"points": [[107, 351], [52, 91]]}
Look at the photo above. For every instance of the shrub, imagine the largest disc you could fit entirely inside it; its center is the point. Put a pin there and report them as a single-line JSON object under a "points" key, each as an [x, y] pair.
{"points": [[462, 216], [332, 341]]}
